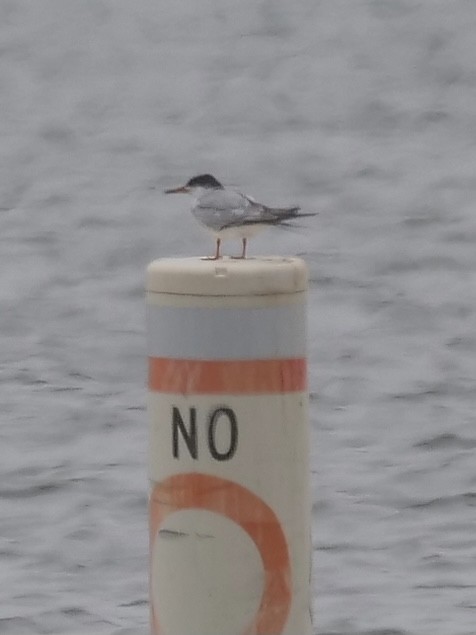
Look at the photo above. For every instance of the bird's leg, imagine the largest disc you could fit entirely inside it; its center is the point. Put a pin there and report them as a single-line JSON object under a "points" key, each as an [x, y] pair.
{"points": [[217, 252], [243, 251]]}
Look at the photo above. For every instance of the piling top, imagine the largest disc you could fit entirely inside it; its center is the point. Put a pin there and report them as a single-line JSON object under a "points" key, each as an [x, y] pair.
{"points": [[227, 277]]}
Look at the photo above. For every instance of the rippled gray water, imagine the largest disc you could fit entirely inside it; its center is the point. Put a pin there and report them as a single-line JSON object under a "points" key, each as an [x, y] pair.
{"points": [[359, 109]]}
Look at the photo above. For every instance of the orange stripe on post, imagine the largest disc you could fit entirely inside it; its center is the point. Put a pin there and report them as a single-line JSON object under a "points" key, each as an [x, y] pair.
{"points": [[228, 377]]}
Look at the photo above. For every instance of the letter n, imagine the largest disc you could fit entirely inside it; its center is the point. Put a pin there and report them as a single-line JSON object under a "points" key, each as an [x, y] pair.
{"points": [[189, 434]]}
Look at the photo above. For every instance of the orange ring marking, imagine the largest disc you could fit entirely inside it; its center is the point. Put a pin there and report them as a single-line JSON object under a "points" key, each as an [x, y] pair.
{"points": [[203, 491], [248, 376]]}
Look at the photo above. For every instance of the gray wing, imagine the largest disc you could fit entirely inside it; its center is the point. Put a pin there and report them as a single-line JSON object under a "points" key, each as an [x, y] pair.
{"points": [[223, 209], [257, 214], [220, 209]]}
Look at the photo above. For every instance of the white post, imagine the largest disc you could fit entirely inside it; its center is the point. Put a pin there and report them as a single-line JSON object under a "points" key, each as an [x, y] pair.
{"points": [[230, 549]]}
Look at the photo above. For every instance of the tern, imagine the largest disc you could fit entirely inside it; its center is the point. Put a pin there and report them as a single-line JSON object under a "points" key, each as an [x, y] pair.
{"points": [[230, 214]]}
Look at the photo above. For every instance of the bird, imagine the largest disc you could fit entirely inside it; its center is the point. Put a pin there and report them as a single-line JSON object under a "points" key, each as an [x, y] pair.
{"points": [[228, 213]]}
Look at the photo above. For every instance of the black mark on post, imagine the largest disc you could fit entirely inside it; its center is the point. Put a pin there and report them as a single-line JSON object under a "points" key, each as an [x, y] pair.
{"points": [[171, 533], [215, 417], [189, 434]]}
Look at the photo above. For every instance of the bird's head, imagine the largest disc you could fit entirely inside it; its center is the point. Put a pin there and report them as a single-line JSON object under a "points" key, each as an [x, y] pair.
{"points": [[197, 185]]}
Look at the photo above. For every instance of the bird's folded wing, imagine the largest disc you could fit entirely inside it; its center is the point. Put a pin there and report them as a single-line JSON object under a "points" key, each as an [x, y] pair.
{"points": [[223, 200]]}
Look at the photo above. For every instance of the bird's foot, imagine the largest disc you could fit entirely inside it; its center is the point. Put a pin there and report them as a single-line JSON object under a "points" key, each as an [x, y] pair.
{"points": [[210, 258]]}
